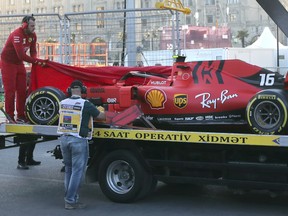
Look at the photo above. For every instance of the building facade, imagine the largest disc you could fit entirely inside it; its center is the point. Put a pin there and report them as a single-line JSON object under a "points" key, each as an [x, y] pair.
{"points": [[238, 15]]}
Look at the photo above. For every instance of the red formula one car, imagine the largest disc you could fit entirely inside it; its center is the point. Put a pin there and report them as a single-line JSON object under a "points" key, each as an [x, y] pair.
{"points": [[205, 93]]}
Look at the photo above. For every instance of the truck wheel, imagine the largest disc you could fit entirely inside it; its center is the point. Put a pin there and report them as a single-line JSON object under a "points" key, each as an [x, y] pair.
{"points": [[42, 105], [122, 177], [267, 113]]}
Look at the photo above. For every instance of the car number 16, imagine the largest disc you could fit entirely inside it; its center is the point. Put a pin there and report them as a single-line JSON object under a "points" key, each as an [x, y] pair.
{"points": [[267, 79]]}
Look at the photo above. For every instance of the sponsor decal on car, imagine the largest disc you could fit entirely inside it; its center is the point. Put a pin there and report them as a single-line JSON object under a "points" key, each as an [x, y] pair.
{"points": [[210, 117], [221, 117], [267, 97], [180, 100], [156, 98], [185, 76], [200, 118], [97, 90], [178, 119], [208, 102], [164, 119], [158, 82], [111, 100], [235, 116]]}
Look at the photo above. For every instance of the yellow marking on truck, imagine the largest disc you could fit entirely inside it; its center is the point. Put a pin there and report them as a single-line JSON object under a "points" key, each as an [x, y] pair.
{"points": [[188, 137], [14, 128], [30, 129], [160, 135]]}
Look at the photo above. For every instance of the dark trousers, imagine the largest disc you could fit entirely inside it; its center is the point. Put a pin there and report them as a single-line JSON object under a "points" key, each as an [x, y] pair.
{"points": [[26, 152]]}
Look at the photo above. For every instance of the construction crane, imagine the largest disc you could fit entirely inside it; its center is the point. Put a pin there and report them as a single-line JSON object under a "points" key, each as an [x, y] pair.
{"points": [[173, 5]]}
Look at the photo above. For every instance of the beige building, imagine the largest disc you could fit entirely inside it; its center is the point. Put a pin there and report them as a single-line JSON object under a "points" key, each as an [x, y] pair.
{"points": [[239, 15]]}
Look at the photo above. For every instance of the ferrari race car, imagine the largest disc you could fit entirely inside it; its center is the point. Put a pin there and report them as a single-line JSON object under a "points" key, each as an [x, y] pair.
{"points": [[204, 93]]}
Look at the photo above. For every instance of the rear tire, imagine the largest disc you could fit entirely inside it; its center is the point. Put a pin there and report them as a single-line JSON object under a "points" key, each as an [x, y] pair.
{"points": [[122, 178], [267, 113]]}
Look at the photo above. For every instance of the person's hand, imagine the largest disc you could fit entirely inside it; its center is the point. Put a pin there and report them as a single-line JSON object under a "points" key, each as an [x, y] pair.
{"points": [[41, 62], [101, 109]]}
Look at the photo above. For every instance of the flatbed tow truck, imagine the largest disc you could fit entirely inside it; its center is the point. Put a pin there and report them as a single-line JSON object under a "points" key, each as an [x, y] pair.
{"points": [[128, 161]]}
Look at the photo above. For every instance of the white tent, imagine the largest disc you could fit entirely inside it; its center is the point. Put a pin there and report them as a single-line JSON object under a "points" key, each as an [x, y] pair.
{"points": [[266, 40]]}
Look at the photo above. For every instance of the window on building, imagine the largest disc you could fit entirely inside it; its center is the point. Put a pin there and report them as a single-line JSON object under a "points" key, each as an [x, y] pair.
{"points": [[210, 19], [78, 27], [100, 18], [79, 8], [144, 22], [121, 23], [27, 1], [146, 4], [41, 0], [210, 2], [41, 28], [118, 5], [232, 17], [60, 10], [12, 2], [233, 2]]}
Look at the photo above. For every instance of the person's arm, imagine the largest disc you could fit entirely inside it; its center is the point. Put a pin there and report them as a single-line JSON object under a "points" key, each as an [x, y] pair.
{"points": [[101, 116], [97, 113]]}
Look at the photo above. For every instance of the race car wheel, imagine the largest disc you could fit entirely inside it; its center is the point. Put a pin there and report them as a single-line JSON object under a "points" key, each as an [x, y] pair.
{"points": [[42, 105], [122, 178], [267, 113]]}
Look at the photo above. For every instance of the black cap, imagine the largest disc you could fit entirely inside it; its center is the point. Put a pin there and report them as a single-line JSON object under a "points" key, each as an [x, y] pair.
{"points": [[76, 83]]}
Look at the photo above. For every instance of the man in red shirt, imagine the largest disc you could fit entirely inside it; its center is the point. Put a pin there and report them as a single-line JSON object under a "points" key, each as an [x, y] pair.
{"points": [[14, 78], [13, 71]]}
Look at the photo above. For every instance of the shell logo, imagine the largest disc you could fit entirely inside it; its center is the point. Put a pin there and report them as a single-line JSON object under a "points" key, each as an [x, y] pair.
{"points": [[155, 98]]}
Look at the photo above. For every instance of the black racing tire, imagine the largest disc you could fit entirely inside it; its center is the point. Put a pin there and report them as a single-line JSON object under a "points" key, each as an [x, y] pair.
{"points": [[42, 106], [122, 177], [267, 113]]}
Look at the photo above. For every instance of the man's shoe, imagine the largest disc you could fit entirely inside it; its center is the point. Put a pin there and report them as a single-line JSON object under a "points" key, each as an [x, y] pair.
{"points": [[22, 121], [22, 166], [78, 205], [62, 169], [33, 163]]}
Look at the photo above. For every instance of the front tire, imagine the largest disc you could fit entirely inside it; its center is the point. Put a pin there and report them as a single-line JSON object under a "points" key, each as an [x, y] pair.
{"points": [[267, 113], [42, 105]]}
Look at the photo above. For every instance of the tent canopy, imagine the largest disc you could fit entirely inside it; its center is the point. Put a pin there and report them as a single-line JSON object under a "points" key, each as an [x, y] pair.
{"points": [[266, 40]]}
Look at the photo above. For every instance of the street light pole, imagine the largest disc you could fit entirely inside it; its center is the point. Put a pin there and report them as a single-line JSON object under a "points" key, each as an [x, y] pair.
{"points": [[124, 37], [131, 34]]}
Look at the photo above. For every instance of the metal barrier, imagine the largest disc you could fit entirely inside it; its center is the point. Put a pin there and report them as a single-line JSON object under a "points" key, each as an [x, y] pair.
{"points": [[130, 35], [121, 37], [48, 27]]}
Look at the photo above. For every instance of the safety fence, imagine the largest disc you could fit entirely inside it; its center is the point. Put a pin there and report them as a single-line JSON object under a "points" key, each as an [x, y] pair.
{"points": [[131, 36], [122, 37]]}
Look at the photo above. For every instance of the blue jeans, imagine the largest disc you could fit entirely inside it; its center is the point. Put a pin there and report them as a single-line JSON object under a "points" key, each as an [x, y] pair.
{"points": [[75, 154]]}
